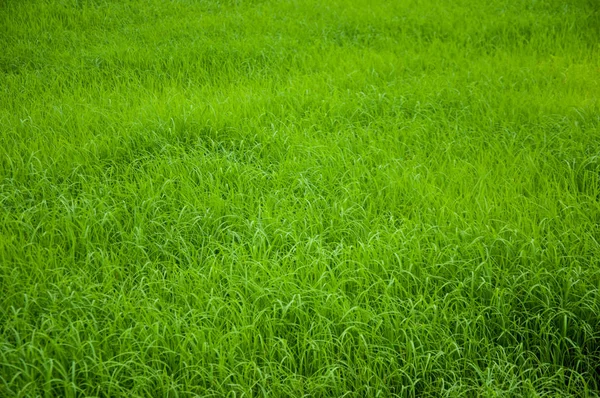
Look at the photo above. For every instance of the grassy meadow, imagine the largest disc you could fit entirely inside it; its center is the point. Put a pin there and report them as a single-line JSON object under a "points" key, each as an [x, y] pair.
{"points": [[299, 198]]}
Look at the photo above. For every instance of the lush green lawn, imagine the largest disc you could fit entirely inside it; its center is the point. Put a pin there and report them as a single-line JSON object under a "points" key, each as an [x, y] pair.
{"points": [[299, 198]]}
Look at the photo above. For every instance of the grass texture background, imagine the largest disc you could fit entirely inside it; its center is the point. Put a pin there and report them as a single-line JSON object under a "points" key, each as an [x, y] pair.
{"points": [[299, 198]]}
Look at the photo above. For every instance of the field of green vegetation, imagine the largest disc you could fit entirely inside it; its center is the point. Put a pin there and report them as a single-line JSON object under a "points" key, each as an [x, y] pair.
{"points": [[288, 198]]}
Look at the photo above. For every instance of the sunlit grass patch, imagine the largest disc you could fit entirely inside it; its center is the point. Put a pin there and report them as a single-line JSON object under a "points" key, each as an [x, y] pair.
{"points": [[274, 198]]}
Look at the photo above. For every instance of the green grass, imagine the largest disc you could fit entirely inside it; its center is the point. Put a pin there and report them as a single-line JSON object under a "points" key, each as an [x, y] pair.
{"points": [[299, 198]]}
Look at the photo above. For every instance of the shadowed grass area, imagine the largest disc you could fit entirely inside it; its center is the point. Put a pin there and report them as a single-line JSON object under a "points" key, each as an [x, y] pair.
{"points": [[285, 198]]}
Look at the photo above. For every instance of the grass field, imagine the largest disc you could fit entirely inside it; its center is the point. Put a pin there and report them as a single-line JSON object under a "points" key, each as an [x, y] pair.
{"points": [[286, 198]]}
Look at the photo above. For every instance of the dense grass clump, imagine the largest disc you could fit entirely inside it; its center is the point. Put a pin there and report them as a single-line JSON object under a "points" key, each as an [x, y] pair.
{"points": [[283, 198]]}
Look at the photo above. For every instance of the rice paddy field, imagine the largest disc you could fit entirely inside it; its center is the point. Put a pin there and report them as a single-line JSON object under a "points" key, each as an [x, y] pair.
{"points": [[299, 198]]}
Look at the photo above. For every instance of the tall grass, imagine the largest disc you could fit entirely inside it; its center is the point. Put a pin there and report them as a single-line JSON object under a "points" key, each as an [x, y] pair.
{"points": [[299, 198]]}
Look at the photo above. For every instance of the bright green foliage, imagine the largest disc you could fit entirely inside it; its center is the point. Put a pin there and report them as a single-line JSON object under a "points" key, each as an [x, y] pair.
{"points": [[299, 198]]}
